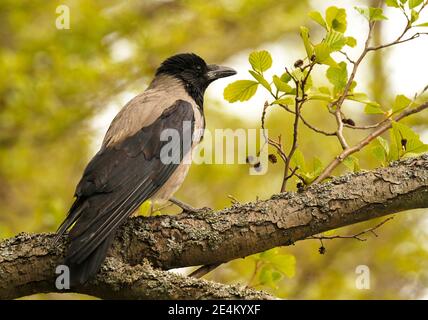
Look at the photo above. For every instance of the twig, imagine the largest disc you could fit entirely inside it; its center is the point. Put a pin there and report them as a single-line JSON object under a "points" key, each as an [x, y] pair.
{"points": [[299, 103], [356, 236], [416, 35], [347, 57], [381, 129], [313, 128], [200, 272]]}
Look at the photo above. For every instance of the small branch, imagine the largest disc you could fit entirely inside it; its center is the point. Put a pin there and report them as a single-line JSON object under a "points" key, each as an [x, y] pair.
{"points": [[347, 57], [356, 236], [416, 35], [313, 128], [339, 132], [299, 103], [381, 129], [367, 127]]}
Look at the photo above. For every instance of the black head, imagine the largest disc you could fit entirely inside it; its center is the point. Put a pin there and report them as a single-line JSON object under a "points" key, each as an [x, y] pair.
{"points": [[194, 72]]}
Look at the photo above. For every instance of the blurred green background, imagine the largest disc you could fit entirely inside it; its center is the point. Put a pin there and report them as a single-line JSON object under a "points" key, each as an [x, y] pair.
{"points": [[59, 90]]}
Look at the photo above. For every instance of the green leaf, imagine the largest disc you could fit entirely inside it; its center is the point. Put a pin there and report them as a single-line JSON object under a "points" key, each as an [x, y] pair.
{"points": [[338, 76], [317, 17], [318, 167], [324, 90], [284, 263], [405, 141], [285, 101], [363, 98], [298, 160], [401, 102], [260, 79], [425, 24], [320, 96], [371, 109], [285, 77], [260, 60], [336, 19], [145, 208], [380, 150], [392, 3], [241, 90], [269, 277], [304, 33], [351, 42], [322, 53], [281, 86], [335, 40], [383, 143], [352, 163], [371, 14], [414, 16], [414, 3]]}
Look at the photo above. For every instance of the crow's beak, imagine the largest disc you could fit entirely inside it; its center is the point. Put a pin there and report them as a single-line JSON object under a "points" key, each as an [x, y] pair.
{"points": [[216, 72]]}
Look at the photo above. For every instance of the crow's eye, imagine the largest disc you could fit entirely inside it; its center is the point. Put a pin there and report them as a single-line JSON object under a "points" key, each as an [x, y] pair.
{"points": [[199, 68]]}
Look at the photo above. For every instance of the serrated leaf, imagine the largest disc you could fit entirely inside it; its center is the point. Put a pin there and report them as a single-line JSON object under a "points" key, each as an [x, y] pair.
{"points": [[414, 3], [351, 42], [322, 53], [371, 109], [336, 19], [241, 90], [352, 163], [317, 17], [335, 40], [401, 102], [260, 60], [285, 101], [281, 86], [260, 79], [371, 14], [338, 76], [392, 3], [304, 33]]}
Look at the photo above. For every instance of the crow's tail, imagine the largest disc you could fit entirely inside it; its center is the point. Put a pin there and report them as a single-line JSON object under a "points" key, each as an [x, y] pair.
{"points": [[80, 272]]}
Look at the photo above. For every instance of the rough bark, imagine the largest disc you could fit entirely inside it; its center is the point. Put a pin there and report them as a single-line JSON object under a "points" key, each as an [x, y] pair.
{"points": [[27, 262]]}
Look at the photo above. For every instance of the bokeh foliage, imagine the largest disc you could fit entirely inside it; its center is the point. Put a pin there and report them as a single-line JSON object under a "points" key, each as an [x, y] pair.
{"points": [[53, 83]]}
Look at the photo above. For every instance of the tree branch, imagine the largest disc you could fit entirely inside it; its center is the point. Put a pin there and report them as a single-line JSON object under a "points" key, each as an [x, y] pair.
{"points": [[27, 262]]}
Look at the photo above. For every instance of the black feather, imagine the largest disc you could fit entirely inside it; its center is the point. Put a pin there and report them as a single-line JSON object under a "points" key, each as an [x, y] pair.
{"points": [[191, 69], [115, 183]]}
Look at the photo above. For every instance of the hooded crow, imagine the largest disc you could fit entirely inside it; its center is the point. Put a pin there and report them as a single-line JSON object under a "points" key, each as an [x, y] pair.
{"points": [[129, 168]]}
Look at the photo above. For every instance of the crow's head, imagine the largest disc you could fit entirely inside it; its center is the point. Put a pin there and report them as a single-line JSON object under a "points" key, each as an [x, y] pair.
{"points": [[194, 72]]}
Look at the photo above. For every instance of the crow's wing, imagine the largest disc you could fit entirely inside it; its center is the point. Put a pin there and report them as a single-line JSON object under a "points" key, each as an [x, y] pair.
{"points": [[121, 177]]}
